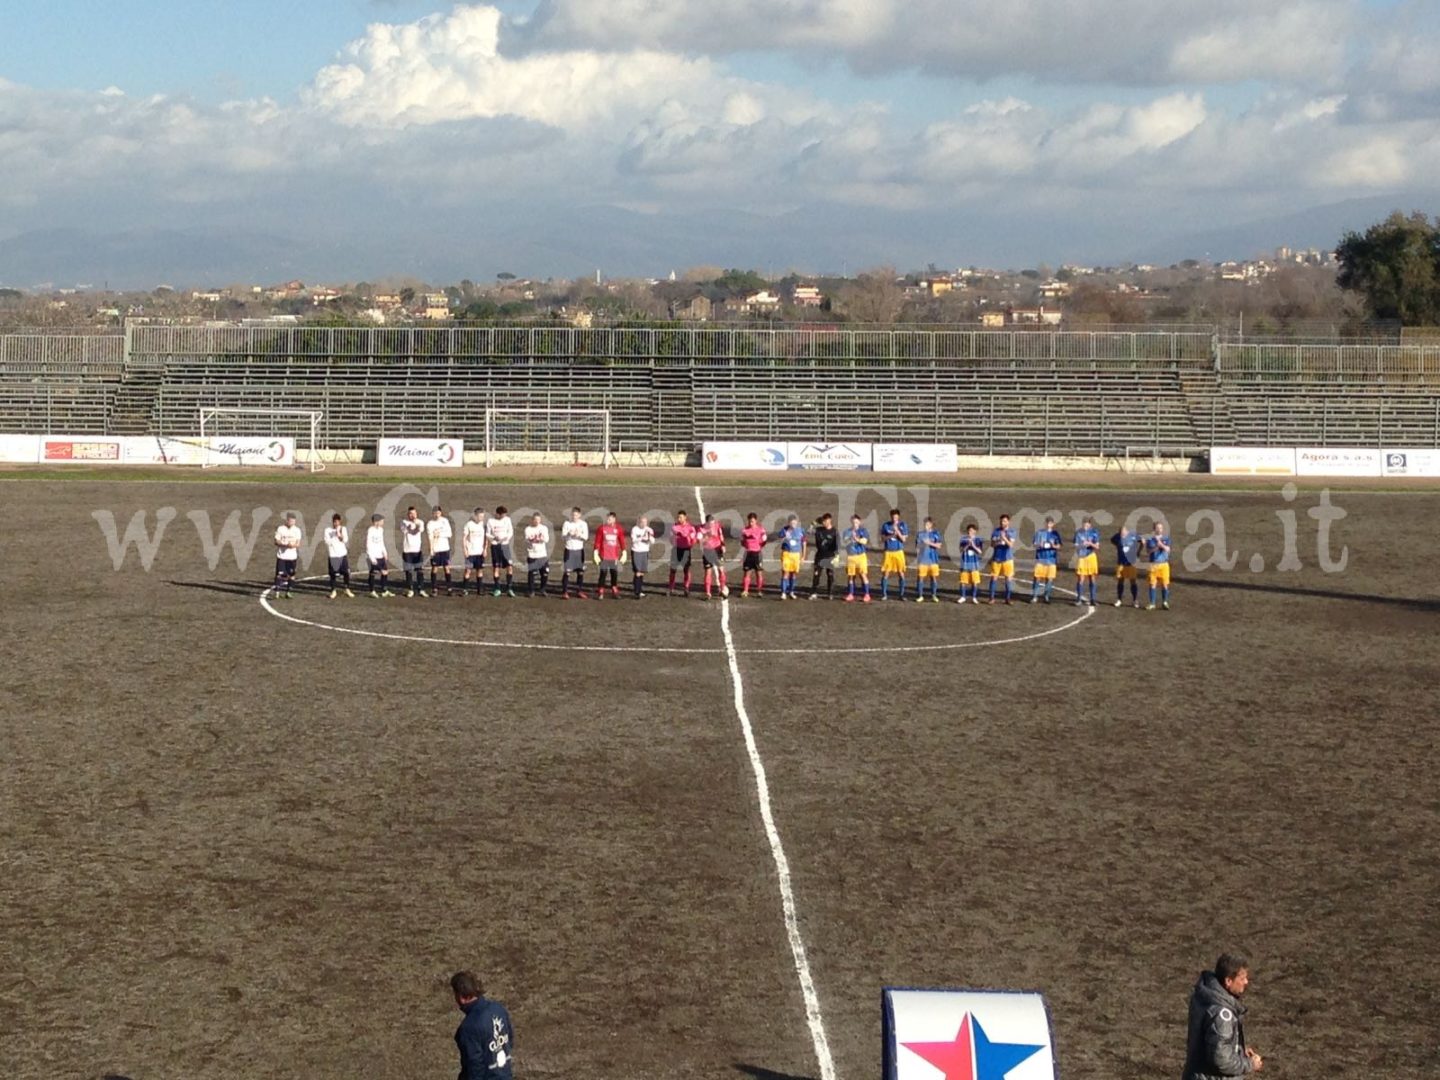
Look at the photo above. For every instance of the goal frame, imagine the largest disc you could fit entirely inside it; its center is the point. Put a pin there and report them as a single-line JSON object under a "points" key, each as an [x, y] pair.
{"points": [[607, 452], [208, 414]]}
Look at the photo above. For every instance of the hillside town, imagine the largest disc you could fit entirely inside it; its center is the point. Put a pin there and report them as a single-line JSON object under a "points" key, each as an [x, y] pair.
{"points": [[1281, 290]]}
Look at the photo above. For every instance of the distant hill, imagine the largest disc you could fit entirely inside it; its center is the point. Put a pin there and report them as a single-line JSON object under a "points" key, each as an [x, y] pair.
{"points": [[574, 241], [1318, 227]]}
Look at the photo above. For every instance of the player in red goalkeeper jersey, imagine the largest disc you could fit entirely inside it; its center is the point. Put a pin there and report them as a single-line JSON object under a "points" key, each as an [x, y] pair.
{"points": [[609, 553]]}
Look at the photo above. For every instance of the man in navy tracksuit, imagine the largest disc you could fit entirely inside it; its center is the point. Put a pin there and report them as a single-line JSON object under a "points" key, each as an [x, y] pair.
{"points": [[485, 1038]]}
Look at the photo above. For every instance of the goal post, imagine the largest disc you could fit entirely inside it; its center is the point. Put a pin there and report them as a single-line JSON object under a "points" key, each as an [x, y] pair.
{"points": [[584, 434], [260, 437]]}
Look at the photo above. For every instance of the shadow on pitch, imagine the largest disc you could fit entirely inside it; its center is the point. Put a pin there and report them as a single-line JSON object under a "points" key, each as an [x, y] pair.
{"points": [[756, 1072], [251, 589], [1413, 603]]}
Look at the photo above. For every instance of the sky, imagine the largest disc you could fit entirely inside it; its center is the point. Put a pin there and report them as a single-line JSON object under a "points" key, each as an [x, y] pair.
{"points": [[362, 137]]}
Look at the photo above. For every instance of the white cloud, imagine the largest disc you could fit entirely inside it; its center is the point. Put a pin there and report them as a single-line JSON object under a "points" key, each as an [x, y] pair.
{"points": [[450, 68], [1122, 41], [619, 103]]}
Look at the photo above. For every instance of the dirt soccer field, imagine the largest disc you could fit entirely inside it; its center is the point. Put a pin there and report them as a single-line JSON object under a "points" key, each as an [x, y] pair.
{"points": [[239, 844]]}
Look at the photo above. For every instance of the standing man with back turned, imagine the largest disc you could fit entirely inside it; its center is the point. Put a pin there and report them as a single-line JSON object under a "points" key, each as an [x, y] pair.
{"points": [[1215, 1046], [485, 1038]]}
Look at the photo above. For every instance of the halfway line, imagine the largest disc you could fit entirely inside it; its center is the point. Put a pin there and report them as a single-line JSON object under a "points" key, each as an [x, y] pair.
{"points": [[777, 850]]}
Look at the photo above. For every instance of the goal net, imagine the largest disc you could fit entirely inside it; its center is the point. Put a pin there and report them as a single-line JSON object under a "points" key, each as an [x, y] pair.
{"points": [[275, 437], [539, 435]]}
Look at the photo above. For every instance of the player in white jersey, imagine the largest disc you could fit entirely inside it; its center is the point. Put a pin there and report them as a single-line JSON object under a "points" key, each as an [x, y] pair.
{"points": [[537, 554], [376, 555], [500, 535], [642, 538], [337, 548], [412, 544], [440, 533], [575, 532], [287, 557], [472, 539]]}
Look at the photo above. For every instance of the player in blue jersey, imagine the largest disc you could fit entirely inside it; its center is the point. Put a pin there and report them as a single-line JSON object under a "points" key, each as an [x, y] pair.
{"points": [[1002, 558], [893, 536], [929, 542], [856, 541], [1047, 543], [1157, 550], [972, 559], [792, 552], [1087, 562], [1127, 546]]}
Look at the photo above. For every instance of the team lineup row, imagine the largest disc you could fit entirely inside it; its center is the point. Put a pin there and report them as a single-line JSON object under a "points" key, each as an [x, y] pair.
{"points": [[492, 538]]}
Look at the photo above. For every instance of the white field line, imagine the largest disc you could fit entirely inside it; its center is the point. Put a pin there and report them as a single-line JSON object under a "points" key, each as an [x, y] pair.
{"points": [[777, 850]]}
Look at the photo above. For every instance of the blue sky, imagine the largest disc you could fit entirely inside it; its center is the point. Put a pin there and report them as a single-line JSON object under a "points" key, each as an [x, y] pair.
{"points": [[1078, 128]]}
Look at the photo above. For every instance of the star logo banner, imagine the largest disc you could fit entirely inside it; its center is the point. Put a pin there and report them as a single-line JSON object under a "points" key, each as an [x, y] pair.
{"points": [[967, 1035]]}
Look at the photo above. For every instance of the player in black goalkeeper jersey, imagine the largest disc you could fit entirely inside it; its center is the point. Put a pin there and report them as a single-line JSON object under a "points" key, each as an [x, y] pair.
{"points": [[826, 545]]}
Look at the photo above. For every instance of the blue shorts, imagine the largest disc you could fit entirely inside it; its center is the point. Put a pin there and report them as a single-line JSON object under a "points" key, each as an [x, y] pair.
{"points": [[500, 556], [440, 558], [340, 564], [412, 559], [475, 562], [379, 564], [285, 567]]}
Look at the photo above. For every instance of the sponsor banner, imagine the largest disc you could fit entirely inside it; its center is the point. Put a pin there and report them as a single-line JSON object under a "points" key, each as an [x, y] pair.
{"points": [[1411, 462], [915, 457], [1252, 461], [976, 1034], [159, 450], [744, 455], [1337, 461], [19, 449], [81, 449], [828, 455], [421, 453], [248, 450]]}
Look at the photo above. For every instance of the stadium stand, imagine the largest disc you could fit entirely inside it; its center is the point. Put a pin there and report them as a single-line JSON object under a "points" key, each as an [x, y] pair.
{"points": [[670, 388]]}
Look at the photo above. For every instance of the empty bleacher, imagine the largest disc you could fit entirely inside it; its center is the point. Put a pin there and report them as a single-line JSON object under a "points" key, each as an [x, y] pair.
{"points": [[670, 388]]}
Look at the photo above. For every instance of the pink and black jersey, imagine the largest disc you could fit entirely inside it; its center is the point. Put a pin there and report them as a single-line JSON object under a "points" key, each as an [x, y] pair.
{"points": [[712, 535], [752, 538], [685, 535]]}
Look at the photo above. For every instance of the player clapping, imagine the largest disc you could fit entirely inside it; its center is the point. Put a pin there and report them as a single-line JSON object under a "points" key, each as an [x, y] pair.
{"points": [[337, 550], [1157, 550], [972, 558], [856, 540], [287, 557], [500, 535], [575, 533], [440, 533], [537, 555], [412, 543], [1047, 543], [376, 556], [472, 540], [642, 538], [792, 552], [929, 543]]}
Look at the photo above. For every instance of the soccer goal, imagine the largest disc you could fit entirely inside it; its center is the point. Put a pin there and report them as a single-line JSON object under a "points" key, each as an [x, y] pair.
{"points": [[277, 437], [581, 434]]}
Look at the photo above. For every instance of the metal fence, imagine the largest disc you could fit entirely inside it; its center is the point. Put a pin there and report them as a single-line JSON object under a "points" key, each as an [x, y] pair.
{"points": [[658, 346]]}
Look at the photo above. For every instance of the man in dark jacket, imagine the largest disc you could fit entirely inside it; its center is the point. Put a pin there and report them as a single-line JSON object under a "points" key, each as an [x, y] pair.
{"points": [[1216, 1046], [485, 1038]]}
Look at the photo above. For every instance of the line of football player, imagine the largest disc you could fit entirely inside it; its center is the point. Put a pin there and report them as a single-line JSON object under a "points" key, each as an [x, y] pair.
{"points": [[491, 538]]}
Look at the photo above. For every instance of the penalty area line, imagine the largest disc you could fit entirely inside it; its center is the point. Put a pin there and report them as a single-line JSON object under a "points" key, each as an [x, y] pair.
{"points": [[777, 850]]}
